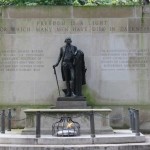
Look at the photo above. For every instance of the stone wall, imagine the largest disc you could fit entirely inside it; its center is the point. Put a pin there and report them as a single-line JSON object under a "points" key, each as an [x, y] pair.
{"points": [[115, 41]]}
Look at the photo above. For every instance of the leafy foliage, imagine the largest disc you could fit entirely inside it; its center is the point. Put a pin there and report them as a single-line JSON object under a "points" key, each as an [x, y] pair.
{"points": [[34, 2], [68, 2], [107, 2]]}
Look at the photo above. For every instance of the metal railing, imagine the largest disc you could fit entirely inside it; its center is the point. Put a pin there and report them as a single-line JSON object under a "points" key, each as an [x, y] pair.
{"points": [[134, 120], [133, 116], [38, 124], [3, 121]]}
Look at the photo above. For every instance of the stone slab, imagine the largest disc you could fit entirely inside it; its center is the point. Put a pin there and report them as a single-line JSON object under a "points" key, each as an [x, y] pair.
{"points": [[146, 10], [77, 147], [37, 12], [105, 110], [71, 102], [136, 25], [102, 12], [118, 137], [68, 12]]}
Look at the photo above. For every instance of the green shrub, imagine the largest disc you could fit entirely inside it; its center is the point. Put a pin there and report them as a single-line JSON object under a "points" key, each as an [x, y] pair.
{"points": [[69, 2], [111, 2]]}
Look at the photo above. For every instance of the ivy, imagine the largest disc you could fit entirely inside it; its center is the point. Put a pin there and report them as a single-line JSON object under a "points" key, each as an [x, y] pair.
{"points": [[69, 2]]}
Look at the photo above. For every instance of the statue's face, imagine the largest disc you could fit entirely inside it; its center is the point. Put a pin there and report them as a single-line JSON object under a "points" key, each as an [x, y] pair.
{"points": [[68, 41]]}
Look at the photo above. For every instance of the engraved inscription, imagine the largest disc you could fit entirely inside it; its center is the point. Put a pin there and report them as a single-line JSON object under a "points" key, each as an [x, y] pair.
{"points": [[21, 60], [71, 26], [124, 59]]}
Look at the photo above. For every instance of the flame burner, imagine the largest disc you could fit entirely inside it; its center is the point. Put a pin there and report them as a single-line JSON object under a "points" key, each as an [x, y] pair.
{"points": [[66, 127]]}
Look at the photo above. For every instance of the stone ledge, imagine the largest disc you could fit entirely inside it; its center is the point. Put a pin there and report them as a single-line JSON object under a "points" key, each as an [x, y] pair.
{"points": [[70, 12], [71, 102], [117, 138], [66, 110]]}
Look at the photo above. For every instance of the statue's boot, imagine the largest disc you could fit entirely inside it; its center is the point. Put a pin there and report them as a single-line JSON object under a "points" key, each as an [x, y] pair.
{"points": [[72, 90], [68, 94], [73, 95], [68, 89]]}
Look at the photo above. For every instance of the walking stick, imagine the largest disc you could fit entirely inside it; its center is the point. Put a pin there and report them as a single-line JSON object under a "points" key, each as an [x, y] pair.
{"points": [[56, 80]]}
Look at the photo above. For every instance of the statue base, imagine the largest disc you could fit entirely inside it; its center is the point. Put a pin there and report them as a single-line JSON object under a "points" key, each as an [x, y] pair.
{"points": [[71, 102]]}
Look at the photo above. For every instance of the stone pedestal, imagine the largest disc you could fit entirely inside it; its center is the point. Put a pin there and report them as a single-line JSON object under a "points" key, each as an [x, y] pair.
{"points": [[82, 116], [71, 102]]}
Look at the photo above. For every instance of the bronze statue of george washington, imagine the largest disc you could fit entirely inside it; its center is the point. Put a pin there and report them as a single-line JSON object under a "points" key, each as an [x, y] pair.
{"points": [[72, 68]]}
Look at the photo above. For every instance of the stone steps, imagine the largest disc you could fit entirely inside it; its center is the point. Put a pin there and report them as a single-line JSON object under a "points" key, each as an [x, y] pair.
{"points": [[120, 140], [76, 140], [131, 146]]}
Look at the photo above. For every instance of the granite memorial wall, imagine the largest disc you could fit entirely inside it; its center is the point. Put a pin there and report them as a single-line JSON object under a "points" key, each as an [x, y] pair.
{"points": [[115, 42]]}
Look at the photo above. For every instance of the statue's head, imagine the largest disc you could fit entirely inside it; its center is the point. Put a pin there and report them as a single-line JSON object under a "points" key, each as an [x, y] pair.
{"points": [[68, 40]]}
